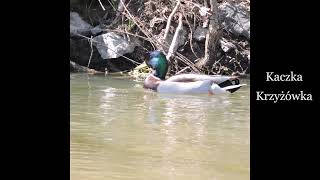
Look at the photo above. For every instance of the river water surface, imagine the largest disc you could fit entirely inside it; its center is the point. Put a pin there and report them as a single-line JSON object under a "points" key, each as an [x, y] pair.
{"points": [[121, 131]]}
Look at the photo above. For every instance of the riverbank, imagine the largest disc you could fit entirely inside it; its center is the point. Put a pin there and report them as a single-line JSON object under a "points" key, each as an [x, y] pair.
{"points": [[110, 37]]}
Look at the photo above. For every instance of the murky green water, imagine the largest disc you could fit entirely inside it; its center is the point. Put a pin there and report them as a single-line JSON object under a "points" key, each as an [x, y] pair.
{"points": [[121, 131]]}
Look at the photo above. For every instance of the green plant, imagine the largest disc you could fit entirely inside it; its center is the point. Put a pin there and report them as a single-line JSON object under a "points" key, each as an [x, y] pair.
{"points": [[130, 24]]}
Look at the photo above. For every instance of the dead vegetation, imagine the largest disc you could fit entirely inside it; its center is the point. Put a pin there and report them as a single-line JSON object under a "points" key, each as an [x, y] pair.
{"points": [[169, 26]]}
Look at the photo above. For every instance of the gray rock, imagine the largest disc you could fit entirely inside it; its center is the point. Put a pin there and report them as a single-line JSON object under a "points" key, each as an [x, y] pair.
{"points": [[200, 34], [110, 45], [226, 46], [235, 18], [182, 37], [96, 30], [78, 25], [74, 67]]}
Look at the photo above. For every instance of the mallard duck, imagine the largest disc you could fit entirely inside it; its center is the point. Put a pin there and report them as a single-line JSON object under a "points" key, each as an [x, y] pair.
{"points": [[186, 83]]}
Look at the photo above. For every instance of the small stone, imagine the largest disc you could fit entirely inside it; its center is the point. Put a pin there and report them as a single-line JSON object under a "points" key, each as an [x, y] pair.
{"points": [[200, 34]]}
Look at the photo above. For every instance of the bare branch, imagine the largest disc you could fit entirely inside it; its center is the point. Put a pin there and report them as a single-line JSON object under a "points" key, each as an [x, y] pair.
{"points": [[191, 32], [169, 19], [112, 5], [119, 12], [212, 34], [212, 37], [90, 40], [102, 5], [138, 25], [174, 43], [182, 70]]}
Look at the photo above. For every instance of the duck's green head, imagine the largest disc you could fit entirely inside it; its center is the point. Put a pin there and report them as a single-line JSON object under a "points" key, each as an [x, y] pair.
{"points": [[158, 62]]}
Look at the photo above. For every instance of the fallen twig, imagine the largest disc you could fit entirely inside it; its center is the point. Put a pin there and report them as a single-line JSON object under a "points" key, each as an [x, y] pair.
{"points": [[78, 68], [187, 62]]}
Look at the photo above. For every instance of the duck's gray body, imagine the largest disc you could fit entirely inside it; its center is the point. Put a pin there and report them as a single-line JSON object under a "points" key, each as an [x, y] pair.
{"points": [[205, 86], [190, 87]]}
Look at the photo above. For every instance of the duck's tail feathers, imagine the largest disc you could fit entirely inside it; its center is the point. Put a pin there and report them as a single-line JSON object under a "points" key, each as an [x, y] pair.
{"points": [[233, 88], [231, 85], [229, 82]]}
